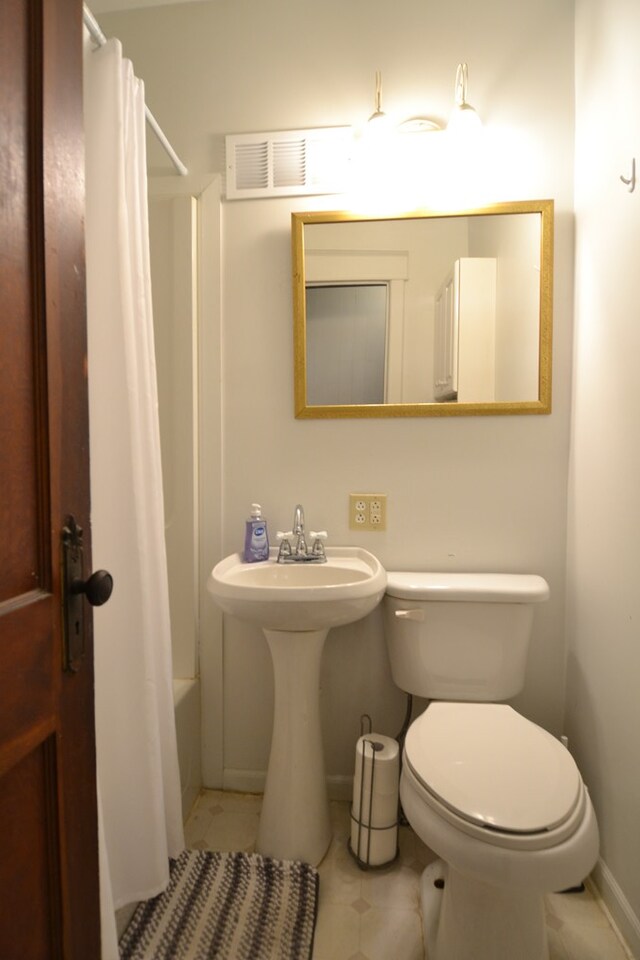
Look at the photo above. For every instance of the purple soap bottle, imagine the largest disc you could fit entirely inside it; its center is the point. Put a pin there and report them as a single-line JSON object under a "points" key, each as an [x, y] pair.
{"points": [[256, 538]]}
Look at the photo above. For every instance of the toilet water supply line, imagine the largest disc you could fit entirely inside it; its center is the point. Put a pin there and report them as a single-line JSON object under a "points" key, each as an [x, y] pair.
{"points": [[98, 37]]}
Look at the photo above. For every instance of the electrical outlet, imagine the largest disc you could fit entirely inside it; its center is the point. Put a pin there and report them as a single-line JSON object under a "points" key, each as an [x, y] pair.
{"points": [[367, 511]]}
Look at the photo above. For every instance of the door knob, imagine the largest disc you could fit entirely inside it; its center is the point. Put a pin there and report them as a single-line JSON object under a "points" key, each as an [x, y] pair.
{"points": [[97, 589]]}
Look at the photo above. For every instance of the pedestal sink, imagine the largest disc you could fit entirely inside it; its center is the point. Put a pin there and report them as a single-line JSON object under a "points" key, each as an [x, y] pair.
{"points": [[296, 604]]}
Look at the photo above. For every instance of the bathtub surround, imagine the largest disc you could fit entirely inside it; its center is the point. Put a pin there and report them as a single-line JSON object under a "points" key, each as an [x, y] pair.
{"points": [[137, 766], [186, 281], [186, 701], [493, 491]]}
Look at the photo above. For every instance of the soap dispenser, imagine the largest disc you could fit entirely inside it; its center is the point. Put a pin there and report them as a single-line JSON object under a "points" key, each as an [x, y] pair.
{"points": [[256, 539]]}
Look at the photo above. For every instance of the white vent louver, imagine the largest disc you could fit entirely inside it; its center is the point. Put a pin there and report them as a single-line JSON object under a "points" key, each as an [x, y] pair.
{"points": [[288, 164]]}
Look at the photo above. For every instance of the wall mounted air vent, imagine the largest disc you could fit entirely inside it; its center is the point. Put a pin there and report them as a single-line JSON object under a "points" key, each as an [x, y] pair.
{"points": [[290, 163]]}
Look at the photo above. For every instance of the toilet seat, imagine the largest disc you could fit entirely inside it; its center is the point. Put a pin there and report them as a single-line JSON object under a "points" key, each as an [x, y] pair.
{"points": [[495, 774]]}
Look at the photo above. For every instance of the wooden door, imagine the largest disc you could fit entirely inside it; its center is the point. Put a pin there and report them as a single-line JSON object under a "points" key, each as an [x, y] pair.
{"points": [[49, 905]]}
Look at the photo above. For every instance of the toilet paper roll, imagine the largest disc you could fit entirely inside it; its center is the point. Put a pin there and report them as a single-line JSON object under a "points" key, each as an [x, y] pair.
{"points": [[374, 847], [375, 782], [382, 813]]}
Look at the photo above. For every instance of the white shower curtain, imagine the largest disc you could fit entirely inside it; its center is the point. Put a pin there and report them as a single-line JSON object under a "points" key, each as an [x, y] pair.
{"points": [[138, 776]]}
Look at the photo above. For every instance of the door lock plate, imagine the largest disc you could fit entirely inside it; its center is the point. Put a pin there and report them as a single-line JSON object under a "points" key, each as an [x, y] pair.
{"points": [[72, 602]]}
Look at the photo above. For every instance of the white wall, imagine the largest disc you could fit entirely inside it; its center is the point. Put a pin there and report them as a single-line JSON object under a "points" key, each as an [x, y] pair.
{"points": [[483, 493], [603, 701]]}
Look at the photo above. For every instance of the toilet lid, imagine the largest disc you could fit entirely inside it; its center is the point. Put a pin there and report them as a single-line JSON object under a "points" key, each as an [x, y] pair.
{"points": [[493, 767]]}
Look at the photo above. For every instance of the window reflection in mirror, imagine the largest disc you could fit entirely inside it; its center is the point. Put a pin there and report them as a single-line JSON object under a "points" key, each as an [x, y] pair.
{"points": [[355, 317], [423, 314]]}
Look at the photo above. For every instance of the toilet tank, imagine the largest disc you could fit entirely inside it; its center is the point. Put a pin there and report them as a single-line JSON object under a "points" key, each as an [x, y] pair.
{"points": [[460, 636]]}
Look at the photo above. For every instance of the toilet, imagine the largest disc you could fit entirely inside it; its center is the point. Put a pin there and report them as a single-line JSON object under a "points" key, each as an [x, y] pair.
{"points": [[498, 799]]}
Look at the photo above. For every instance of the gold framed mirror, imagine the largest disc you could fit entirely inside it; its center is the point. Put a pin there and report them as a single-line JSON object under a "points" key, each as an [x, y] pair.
{"points": [[423, 314]]}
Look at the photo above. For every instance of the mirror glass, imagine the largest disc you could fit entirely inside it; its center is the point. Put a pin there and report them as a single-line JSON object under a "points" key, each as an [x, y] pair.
{"points": [[423, 314]]}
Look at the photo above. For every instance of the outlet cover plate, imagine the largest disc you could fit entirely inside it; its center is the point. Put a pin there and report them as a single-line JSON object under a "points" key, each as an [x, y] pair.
{"points": [[368, 511]]}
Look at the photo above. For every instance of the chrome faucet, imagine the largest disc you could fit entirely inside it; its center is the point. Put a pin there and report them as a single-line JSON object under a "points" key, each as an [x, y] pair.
{"points": [[300, 552], [300, 549]]}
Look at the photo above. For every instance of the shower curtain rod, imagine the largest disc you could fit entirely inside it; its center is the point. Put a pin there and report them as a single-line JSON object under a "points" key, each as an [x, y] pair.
{"points": [[94, 29]]}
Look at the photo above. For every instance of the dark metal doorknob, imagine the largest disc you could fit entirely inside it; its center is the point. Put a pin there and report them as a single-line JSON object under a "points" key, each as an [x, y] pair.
{"points": [[97, 589]]}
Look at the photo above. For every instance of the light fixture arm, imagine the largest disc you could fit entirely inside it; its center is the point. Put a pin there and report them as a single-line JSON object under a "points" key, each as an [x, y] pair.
{"points": [[462, 79], [378, 111]]}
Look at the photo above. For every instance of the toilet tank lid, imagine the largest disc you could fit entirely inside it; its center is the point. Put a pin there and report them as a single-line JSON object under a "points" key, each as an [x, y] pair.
{"points": [[476, 587]]}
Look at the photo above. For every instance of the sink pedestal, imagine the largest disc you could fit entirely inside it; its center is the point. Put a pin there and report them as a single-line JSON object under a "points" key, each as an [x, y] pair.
{"points": [[294, 824]]}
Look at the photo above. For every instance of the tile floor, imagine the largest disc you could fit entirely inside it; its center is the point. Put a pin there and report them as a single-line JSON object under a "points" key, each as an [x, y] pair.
{"points": [[374, 915]]}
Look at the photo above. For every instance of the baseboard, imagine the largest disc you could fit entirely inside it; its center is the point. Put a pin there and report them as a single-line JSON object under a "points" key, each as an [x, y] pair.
{"points": [[252, 781], [621, 914], [243, 781], [340, 787]]}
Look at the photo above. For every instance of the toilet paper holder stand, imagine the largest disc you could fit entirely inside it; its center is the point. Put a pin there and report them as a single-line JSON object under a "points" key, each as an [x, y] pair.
{"points": [[357, 817]]}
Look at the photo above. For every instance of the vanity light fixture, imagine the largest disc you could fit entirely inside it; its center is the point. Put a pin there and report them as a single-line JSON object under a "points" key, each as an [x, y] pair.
{"points": [[464, 116]]}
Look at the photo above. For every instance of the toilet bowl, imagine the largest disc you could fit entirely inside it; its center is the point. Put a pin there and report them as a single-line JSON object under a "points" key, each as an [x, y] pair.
{"points": [[497, 798]]}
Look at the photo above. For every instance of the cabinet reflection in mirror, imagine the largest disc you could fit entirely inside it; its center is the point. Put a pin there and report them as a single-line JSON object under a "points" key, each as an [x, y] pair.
{"points": [[423, 314]]}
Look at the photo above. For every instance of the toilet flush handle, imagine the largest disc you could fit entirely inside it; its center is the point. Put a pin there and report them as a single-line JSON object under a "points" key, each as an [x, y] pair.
{"points": [[415, 614]]}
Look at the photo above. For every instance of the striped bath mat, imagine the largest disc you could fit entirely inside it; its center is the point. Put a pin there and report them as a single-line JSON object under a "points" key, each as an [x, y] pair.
{"points": [[228, 906]]}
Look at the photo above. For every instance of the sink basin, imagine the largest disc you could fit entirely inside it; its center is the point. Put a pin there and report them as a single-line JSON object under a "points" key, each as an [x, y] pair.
{"points": [[300, 596]]}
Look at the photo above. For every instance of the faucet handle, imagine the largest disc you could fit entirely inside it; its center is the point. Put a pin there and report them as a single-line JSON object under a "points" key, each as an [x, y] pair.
{"points": [[285, 546], [318, 546]]}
